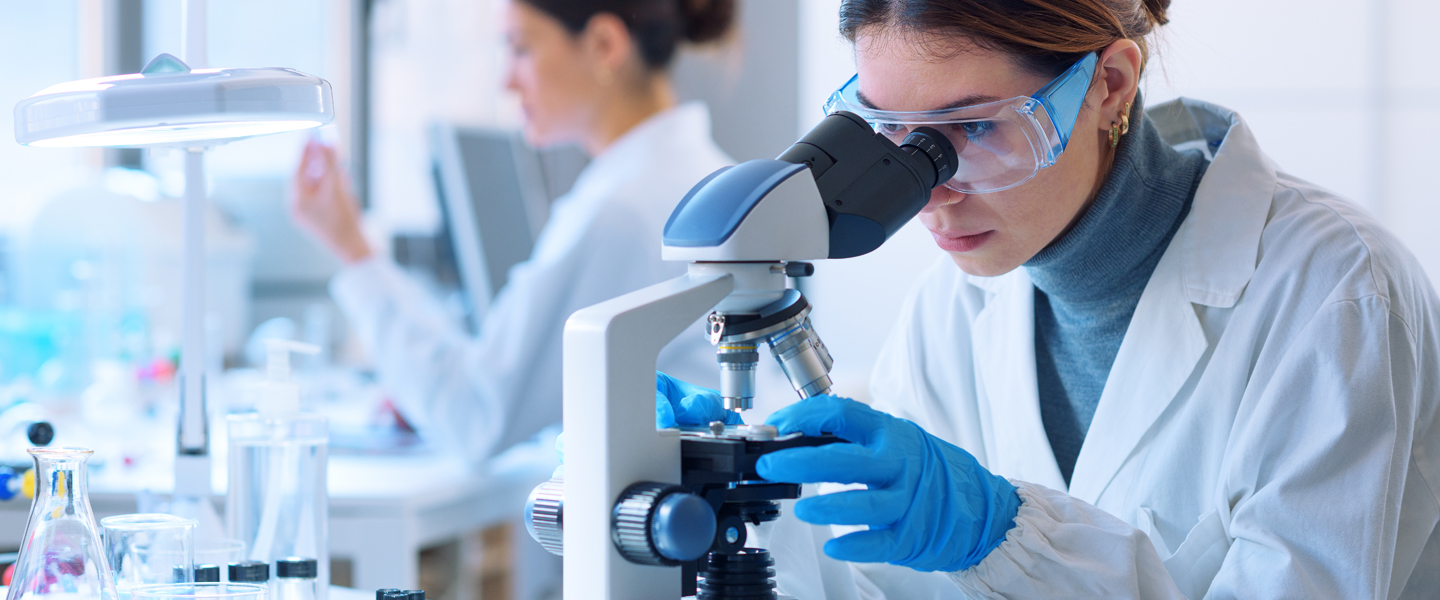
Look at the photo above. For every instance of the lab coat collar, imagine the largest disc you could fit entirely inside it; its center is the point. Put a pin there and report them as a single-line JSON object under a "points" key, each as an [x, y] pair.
{"points": [[1210, 261], [654, 139], [1220, 239]]}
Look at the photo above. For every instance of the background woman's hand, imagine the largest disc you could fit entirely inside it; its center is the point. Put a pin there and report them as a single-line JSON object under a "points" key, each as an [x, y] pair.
{"points": [[323, 204]]}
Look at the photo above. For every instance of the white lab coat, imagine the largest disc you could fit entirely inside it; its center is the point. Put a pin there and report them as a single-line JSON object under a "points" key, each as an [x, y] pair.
{"points": [[481, 395], [1267, 430]]}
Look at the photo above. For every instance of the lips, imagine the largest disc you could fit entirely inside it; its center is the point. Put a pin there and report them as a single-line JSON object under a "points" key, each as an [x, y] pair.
{"points": [[961, 241]]}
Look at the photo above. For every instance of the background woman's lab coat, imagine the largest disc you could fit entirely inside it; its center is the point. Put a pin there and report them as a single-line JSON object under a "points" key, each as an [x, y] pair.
{"points": [[481, 395], [1267, 430]]}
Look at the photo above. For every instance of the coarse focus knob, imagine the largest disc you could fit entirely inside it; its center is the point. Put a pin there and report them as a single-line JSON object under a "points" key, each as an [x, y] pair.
{"points": [[662, 524], [544, 515]]}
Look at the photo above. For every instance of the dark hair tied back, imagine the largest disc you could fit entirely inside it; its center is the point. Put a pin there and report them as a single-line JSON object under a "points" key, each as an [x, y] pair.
{"points": [[707, 20], [1044, 36], [1158, 10], [658, 26]]}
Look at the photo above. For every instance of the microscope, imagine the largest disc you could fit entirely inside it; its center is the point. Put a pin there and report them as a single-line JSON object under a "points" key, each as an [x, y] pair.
{"points": [[647, 514]]}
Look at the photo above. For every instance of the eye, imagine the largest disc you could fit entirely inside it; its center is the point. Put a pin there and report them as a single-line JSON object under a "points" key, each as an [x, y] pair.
{"points": [[890, 128], [975, 129]]}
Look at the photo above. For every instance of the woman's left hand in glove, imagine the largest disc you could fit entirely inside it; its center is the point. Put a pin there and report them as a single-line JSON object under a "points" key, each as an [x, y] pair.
{"points": [[930, 506]]}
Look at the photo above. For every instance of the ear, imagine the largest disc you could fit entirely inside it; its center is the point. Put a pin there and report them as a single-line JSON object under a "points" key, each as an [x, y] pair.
{"points": [[607, 44], [1120, 65]]}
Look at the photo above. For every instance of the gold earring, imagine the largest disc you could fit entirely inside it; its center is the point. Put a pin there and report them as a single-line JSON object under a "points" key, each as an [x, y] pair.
{"points": [[1125, 120], [1114, 134]]}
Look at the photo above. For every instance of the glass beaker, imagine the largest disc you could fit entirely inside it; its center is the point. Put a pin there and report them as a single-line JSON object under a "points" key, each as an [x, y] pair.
{"points": [[199, 591], [61, 556], [149, 548]]}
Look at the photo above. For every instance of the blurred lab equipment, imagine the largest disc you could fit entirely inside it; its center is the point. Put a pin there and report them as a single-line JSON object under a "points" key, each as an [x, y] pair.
{"points": [[174, 104], [148, 549], [60, 554], [394, 594], [277, 501], [487, 189], [112, 264], [199, 591], [23, 424], [494, 193], [840, 191]]}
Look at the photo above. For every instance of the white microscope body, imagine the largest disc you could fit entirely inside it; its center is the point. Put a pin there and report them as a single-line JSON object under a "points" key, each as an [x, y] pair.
{"points": [[741, 229]]}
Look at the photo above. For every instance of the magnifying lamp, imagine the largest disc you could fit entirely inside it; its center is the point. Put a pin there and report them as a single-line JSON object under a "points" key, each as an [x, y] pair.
{"points": [[171, 104]]}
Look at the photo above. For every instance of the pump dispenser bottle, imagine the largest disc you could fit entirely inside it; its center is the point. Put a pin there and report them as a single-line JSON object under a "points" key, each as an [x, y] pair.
{"points": [[277, 501]]}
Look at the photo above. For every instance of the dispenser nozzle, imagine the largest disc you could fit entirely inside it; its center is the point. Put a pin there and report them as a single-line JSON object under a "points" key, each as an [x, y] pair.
{"points": [[277, 361], [278, 394]]}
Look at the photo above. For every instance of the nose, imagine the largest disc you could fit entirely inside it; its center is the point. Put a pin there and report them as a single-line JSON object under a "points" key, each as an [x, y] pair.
{"points": [[941, 197], [512, 79]]}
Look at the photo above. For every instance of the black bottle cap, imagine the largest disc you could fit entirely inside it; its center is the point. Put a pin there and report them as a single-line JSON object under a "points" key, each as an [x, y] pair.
{"points": [[40, 433], [397, 595], [250, 571], [207, 574], [381, 593], [415, 594], [296, 568]]}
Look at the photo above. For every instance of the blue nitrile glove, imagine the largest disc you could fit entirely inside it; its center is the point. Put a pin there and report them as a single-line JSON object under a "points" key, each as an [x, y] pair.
{"points": [[930, 506], [681, 403]]}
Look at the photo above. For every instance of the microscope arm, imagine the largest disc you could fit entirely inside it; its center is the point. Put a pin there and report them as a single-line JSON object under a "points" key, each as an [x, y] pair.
{"points": [[610, 354]]}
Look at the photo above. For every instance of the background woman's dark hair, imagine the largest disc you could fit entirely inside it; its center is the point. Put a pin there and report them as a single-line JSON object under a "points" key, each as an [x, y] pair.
{"points": [[1045, 36], [658, 26]]}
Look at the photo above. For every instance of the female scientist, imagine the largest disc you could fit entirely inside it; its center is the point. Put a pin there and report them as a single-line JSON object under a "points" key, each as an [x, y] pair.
{"points": [[591, 72], [1158, 367]]}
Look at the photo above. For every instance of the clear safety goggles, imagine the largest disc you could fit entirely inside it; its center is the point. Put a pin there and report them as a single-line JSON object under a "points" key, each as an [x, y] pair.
{"points": [[1000, 144]]}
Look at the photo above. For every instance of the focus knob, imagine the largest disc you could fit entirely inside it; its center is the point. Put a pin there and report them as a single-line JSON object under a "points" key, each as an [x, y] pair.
{"points": [[545, 515], [662, 524]]}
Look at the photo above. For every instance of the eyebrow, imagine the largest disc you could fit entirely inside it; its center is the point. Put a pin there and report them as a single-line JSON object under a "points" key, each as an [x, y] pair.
{"points": [[970, 100]]}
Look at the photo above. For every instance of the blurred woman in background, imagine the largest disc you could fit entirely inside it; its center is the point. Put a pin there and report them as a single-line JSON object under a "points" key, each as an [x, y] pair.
{"points": [[588, 72]]}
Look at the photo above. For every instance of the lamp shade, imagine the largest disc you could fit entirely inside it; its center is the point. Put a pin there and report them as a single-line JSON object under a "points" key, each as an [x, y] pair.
{"points": [[168, 104]]}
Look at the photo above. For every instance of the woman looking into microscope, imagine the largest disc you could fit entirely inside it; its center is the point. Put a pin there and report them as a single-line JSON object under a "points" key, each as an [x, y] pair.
{"points": [[1153, 364]]}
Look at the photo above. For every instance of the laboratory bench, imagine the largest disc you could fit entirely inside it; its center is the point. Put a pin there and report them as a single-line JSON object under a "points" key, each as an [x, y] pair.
{"points": [[384, 508]]}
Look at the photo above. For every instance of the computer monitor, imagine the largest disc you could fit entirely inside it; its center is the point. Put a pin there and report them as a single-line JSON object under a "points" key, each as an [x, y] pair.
{"points": [[494, 193]]}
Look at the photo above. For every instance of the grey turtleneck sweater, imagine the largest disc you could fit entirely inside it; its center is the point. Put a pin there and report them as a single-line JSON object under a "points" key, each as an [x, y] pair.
{"points": [[1088, 282]]}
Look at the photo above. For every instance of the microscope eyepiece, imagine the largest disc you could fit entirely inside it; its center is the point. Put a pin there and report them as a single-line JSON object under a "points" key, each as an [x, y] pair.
{"points": [[927, 143], [871, 186]]}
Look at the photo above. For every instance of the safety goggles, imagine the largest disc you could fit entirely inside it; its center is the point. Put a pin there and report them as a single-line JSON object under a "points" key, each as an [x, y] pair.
{"points": [[1001, 144]]}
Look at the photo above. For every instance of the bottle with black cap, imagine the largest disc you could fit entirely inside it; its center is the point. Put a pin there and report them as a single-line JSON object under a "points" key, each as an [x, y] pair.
{"points": [[294, 579], [250, 571], [207, 573]]}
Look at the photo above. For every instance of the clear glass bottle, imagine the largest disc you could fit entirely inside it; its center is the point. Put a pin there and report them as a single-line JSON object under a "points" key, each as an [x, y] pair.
{"points": [[277, 502], [61, 557], [294, 579]]}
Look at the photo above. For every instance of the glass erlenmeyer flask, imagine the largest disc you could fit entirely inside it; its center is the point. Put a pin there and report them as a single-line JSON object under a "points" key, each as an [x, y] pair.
{"points": [[61, 557]]}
